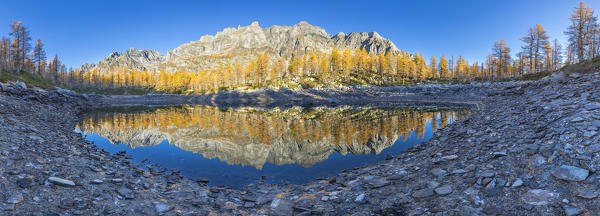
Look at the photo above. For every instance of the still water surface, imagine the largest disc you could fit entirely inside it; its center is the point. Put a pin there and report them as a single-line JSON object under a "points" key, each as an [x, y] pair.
{"points": [[238, 147]]}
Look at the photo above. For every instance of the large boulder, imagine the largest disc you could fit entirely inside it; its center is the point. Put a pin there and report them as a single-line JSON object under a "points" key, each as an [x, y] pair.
{"points": [[570, 173]]}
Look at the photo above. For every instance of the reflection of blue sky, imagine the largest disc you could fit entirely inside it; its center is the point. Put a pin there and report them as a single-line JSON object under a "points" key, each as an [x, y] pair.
{"points": [[193, 165]]}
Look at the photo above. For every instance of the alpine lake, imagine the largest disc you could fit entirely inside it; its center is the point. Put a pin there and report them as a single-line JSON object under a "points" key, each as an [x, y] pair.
{"points": [[242, 146]]}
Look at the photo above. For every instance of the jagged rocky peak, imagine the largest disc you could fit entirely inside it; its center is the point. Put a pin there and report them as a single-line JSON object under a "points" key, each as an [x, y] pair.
{"points": [[130, 59], [243, 44], [372, 42]]}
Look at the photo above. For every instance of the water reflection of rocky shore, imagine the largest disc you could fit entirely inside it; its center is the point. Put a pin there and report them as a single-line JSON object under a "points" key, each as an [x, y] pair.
{"points": [[255, 137]]}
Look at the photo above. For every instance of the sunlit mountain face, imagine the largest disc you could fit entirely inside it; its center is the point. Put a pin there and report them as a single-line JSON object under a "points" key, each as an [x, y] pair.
{"points": [[257, 138]]}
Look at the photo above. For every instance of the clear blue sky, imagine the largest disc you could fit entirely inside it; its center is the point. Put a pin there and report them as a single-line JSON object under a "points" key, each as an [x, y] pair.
{"points": [[87, 31]]}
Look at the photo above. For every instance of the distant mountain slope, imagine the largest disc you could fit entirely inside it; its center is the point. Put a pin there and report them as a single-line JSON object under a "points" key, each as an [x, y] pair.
{"points": [[130, 59], [242, 44]]}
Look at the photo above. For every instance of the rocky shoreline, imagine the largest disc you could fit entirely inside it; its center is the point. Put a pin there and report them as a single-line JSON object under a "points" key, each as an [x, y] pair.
{"points": [[531, 149], [404, 96]]}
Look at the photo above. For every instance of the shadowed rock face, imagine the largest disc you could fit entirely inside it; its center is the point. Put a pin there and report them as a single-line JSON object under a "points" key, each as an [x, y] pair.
{"points": [[253, 138], [242, 44]]}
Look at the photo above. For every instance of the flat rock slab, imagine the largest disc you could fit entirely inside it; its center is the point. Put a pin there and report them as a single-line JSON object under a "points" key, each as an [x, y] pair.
{"points": [[61, 182], [577, 120], [14, 197], [498, 154], [162, 207], [282, 207], [378, 182], [517, 183], [570, 173], [450, 157], [592, 106], [588, 194], [444, 190], [3, 87], [487, 174], [427, 192], [572, 211], [360, 198], [126, 192], [589, 134], [539, 197]]}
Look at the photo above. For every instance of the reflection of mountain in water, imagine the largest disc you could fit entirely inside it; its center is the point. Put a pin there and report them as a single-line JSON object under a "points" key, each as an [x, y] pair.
{"points": [[254, 137]]}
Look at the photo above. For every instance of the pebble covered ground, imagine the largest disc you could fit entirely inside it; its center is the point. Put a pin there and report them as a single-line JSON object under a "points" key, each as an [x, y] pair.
{"points": [[532, 148]]}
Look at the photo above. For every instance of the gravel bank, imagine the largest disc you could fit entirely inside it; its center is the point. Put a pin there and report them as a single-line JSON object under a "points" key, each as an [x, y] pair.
{"points": [[531, 149]]}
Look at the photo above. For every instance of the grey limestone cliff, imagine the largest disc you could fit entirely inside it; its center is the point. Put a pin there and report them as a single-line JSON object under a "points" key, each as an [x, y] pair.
{"points": [[242, 44]]}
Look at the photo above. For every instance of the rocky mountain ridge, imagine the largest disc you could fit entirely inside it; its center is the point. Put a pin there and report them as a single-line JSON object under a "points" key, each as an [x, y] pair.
{"points": [[242, 44], [130, 59]]}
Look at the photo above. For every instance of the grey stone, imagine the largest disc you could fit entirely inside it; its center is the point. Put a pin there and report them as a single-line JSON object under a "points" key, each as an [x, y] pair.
{"points": [[65, 91], [487, 174], [517, 183], [360, 198], [570, 173], [537, 160], [248, 198], [589, 134], [20, 84], [6, 207], [162, 207], [592, 106], [501, 182], [588, 194], [438, 173], [459, 171], [595, 148], [574, 75], [450, 157], [473, 195], [126, 192], [202, 180], [249, 204], [427, 192], [14, 197], [61, 182], [491, 184], [433, 184], [25, 182], [281, 207], [572, 210], [444, 190], [577, 120], [539, 197], [36, 138], [498, 154], [261, 200], [377, 182], [97, 181]]}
